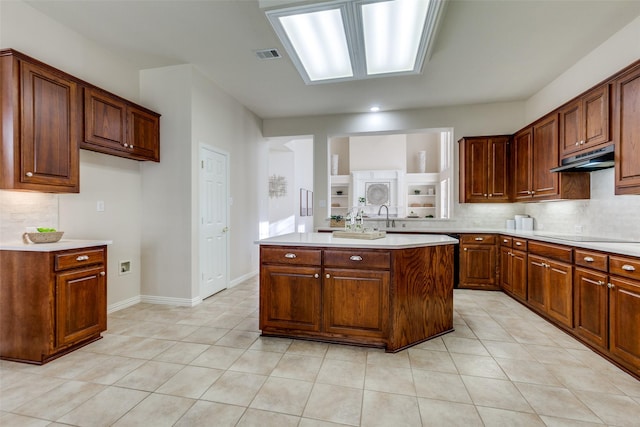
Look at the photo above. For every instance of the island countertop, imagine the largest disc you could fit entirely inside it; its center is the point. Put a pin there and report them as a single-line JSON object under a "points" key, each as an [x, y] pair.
{"points": [[390, 241]]}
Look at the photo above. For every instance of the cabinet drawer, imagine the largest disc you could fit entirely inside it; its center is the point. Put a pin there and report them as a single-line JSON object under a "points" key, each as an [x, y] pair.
{"points": [[479, 239], [594, 260], [506, 241], [520, 244], [295, 256], [354, 258], [558, 252], [79, 258], [624, 266]]}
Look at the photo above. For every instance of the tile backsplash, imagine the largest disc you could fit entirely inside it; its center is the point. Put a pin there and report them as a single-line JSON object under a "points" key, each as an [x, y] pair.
{"points": [[19, 210]]}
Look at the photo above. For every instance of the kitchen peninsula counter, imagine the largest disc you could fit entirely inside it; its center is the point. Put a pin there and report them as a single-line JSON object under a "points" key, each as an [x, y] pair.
{"points": [[391, 292]]}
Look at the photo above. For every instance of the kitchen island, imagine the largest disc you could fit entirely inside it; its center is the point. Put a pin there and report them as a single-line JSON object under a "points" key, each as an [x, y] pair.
{"points": [[391, 292]]}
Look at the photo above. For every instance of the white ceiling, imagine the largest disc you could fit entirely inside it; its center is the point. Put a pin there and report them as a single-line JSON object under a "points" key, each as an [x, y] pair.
{"points": [[485, 51]]}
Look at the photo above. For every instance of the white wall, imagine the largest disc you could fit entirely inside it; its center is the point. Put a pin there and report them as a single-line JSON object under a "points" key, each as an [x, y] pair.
{"points": [[283, 210], [303, 151]]}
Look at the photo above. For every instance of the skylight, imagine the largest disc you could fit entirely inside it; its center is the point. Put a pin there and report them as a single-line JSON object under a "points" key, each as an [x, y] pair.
{"points": [[357, 39]]}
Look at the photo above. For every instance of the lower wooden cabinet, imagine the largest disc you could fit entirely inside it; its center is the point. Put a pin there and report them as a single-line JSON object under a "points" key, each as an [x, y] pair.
{"points": [[51, 302], [624, 320], [591, 306], [478, 261], [513, 272], [550, 288]]}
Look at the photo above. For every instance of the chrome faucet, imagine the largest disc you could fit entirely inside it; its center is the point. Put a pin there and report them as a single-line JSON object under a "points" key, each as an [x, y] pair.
{"points": [[380, 210]]}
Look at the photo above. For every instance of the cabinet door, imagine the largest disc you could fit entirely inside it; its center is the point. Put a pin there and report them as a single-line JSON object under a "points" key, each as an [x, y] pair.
{"points": [[356, 302], [591, 306], [597, 111], [624, 320], [498, 176], [560, 292], [476, 170], [627, 132], [537, 282], [143, 134], [81, 305], [104, 120], [478, 266], [571, 128], [545, 157], [519, 274], [506, 269], [522, 148], [290, 297], [49, 132]]}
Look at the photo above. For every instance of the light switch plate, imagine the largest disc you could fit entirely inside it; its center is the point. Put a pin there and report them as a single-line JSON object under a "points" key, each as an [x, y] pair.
{"points": [[100, 206]]}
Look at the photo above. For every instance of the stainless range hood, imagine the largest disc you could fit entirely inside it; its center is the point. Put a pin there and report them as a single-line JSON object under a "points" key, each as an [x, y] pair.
{"points": [[601, 158]]}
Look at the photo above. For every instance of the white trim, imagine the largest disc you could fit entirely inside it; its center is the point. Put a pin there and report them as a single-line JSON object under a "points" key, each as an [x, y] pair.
{"points": [[120, 305], [184, 302], [242, 278]]}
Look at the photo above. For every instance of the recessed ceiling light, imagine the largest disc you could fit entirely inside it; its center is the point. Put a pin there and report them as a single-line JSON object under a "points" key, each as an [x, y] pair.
{"points": [[349, 40], [374, 109]]}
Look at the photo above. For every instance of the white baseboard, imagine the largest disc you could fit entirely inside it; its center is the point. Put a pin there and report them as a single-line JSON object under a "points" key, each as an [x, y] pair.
{"points": [[123, 304], [242, 278], [184, 302]]}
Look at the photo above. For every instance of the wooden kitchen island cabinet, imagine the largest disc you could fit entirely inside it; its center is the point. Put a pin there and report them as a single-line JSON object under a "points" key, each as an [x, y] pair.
{"points": [[391, 292], [51, 301]]}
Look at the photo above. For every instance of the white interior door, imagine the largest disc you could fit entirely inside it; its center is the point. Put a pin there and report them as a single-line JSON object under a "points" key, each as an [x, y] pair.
{"points": [[213, 221]]}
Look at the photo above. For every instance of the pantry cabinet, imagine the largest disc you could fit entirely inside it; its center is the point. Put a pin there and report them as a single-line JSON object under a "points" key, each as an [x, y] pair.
{"points": [[484, 169], [41, 119], [626, 131], [51, 302], [585, 122]]}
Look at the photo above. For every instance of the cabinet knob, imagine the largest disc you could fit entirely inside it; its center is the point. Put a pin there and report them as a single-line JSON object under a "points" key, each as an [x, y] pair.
{"points": [[328, 276], [600, 283], [533, 192], [316, 275], [485, 194], [131, 146], [582, 142], [466, 249], [518, 243], [505, 241], [290, 255], [628, 267], [577, 143], [29, 174], [355, 258], [126, 145], [588, 259], [102, 273], [82, 258], [610, 285], [528, 192]]}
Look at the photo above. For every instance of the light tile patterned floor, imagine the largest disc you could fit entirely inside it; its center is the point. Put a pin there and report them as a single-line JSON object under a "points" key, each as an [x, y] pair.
{"points": [[208, 366]]}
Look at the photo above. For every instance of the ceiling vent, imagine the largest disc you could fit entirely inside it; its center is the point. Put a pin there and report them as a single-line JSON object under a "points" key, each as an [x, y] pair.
{"points": [[268, 54]]}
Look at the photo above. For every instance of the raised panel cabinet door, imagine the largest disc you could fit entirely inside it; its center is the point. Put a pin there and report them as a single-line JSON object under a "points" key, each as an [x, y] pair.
{"points": [[522, 151], [571, 125], [591, 308], [498, 177], [476, 169], [624, 320], [519, 274], [290, 297], [537, 283], [104, 120], [356, 302], [478, 266], [597, 113], [545, 157], [560, 292], [81, 305], [627, 132], [506, 269], [49, 130], [143, 134]]}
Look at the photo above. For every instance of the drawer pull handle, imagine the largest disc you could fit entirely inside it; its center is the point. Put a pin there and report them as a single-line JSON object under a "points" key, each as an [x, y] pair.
{"points": [[628, 267], [505, 241], [82, 258], [102, 273], [355, 258], [518, 243], [479, 239], [588, 259], [290, 255]]}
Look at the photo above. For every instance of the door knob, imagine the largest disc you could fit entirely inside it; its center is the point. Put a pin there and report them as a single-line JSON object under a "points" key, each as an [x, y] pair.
{"points": [[224, 230]]}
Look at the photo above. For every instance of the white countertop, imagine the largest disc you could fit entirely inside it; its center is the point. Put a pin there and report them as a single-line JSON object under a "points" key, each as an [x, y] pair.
{"points": [[64, 244], [390, 241]]}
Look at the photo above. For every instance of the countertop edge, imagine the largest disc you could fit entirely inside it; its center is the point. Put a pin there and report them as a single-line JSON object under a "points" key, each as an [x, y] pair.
{"points": [[62, 245]]}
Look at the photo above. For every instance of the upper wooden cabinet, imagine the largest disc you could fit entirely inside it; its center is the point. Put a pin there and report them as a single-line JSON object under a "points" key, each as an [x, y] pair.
{"points": [[115, 126], [584, 122], [40, 126], [626, 128], [534, 153], [484, 169]]}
